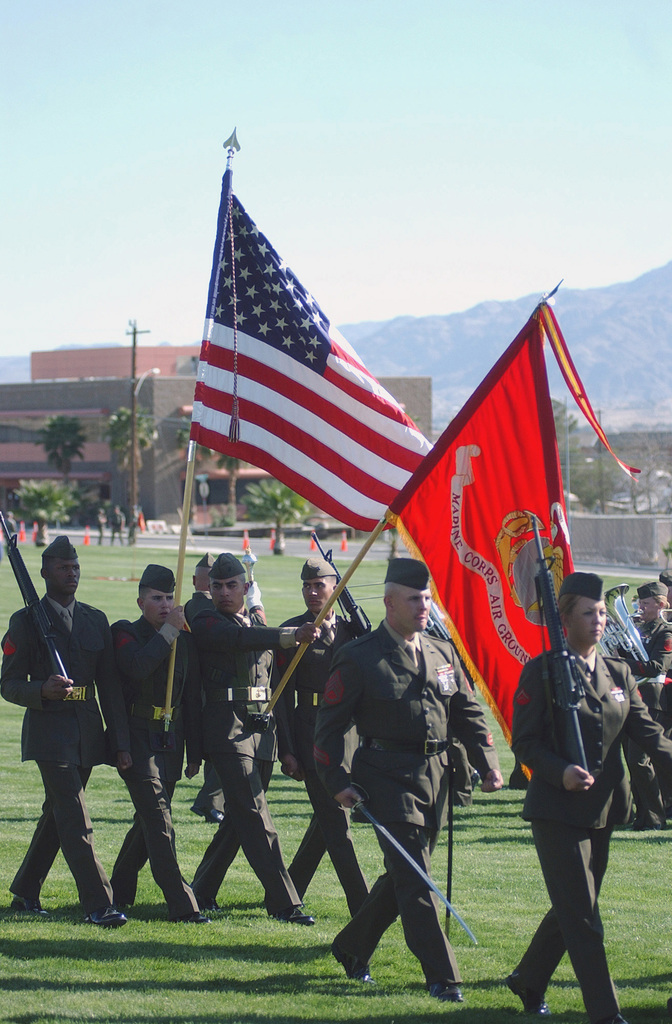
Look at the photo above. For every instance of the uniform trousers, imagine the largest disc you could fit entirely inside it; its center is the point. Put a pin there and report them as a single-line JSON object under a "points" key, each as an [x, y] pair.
{"points": [[247, 823], [329, 830], [152, 837], [401, 891], [573, 861], [64, 824], [645, 786]]}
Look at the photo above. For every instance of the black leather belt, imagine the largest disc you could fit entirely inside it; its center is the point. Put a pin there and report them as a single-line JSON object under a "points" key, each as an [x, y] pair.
{"points": [[308, 698], [398, 747]]}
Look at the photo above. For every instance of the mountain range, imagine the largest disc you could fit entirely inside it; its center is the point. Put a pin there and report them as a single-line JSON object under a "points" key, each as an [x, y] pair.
{"points": [[619, 336]]}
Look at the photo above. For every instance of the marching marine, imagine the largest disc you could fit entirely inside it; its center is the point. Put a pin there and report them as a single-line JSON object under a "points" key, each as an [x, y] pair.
{"points": [[402, 689], [63, 731], [142, 650]]}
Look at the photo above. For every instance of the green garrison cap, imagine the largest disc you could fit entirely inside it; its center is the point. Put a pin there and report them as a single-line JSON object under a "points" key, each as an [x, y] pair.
{"points": [[225, 566], [157, 577], [583, 584], [654, 589], [206, 562], [62, 548], [313, 568], [410, 572]]}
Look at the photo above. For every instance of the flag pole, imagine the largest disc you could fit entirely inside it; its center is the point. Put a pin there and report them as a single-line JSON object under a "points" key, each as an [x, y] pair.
{"points": [[342, 583], [186, 515], [231, 146]]}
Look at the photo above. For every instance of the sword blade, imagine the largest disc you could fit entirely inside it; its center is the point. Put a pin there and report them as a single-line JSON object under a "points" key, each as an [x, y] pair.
{"points": [[416, 867]]}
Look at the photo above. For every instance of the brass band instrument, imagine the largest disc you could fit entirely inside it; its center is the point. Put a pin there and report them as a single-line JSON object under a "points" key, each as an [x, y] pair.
{"points": [[620, 633]]}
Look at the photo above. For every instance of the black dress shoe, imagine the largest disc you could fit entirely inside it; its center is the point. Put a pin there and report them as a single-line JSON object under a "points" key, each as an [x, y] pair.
{"points": [[293, 915], [195, 917], [533, 1002], [213, 816], [353, 967], [447, 992], [24, 905], [616, 1019], [208, 903], [106, 917], [644, 826]]}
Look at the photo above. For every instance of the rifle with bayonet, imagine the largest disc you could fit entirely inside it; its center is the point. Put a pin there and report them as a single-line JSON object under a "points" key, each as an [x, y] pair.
{"points": [[355, 616], [560, 666], [31, 600]]}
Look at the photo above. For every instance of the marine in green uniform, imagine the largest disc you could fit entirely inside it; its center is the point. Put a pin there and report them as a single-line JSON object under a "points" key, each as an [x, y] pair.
{"points": [[573, 810], [235, 651], [63, 731], [296, 714], [656, 634], [401, 689], [142, 650]]}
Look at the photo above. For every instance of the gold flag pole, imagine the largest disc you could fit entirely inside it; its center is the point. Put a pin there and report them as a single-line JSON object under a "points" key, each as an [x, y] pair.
{"points": [[259, 722]]}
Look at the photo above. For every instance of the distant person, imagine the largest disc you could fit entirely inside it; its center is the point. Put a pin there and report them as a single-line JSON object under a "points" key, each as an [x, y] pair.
{"points": [[101, 519], [117, 522]]}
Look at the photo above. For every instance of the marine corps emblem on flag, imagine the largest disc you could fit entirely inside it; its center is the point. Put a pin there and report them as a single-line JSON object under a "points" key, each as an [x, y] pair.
{"points": [[518, 554]]}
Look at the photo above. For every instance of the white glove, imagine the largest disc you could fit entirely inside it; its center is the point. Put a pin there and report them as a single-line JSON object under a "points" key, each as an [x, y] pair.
{"points": [[253, 597]]}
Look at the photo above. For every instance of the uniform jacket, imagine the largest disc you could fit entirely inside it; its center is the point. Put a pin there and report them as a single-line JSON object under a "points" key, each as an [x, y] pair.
{"points": [[375, 683], [296, 720], [232, 654], [142, 656], [69, 730], [611, 708], [657, 639]]}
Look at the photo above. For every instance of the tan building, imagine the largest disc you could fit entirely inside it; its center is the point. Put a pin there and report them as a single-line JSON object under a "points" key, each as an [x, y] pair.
{"points": [[91, 384]]}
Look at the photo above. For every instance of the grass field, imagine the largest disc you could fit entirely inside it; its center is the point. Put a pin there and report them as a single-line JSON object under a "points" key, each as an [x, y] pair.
{"points": [[246, 969]]}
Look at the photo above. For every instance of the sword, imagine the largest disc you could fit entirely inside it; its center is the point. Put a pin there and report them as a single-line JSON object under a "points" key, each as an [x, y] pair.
{"points": [[416, 867]]}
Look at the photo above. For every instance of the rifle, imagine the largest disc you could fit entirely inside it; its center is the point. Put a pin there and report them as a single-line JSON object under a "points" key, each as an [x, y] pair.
{"points": [[560, 666], [356, 617], [32, 601]]}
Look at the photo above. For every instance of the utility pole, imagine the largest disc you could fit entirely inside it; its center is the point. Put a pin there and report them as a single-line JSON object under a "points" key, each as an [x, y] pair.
{"points": [[133, 478]]}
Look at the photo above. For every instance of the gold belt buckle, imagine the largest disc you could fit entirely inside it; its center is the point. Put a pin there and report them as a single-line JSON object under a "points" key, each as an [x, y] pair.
{"points": [[78, 693]]}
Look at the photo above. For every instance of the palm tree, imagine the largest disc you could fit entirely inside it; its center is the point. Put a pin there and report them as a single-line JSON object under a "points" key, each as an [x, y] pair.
{"points": [[62, 438], [118, 433], [45, 501], [273, 502]]}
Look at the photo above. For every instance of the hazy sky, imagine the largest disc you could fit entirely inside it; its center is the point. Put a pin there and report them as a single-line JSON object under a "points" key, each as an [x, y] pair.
{"points": [[404, 158]]}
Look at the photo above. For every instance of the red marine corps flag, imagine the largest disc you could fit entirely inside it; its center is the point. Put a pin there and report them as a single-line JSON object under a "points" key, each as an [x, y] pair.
{"points": [[469, 510]]}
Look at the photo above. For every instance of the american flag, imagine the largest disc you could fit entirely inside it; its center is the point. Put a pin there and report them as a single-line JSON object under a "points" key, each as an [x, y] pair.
{"points": [[308, 410]]}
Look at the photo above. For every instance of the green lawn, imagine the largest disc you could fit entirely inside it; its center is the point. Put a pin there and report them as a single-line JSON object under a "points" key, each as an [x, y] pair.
{"points": [[246, 968]]}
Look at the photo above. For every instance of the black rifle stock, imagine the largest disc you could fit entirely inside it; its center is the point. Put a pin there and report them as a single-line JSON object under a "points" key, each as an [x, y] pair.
{"points": [[31, 600], [357, 618], [566, 683]]}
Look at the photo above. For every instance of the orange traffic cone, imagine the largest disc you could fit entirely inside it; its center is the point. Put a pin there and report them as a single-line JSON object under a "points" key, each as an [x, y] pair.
{"points": [[246, 540], [272, 541], [22, 531], [344, 541], [313, 545], [87, 536], [34, 538]]}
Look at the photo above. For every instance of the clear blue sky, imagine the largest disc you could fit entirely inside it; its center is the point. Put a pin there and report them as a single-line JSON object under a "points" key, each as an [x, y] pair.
{"points": [[404, 158]]}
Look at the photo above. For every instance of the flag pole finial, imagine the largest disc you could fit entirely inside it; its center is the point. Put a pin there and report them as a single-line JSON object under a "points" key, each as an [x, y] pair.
{"points": [[231, 145], [547, 295]]}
